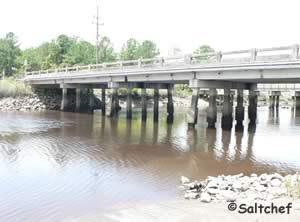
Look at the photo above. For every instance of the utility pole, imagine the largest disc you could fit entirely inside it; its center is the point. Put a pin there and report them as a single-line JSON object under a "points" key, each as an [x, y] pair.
{"points": [[97, 17]]}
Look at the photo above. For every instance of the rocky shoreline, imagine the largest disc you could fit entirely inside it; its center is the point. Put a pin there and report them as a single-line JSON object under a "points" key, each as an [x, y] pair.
{"points": [[231, 188]]}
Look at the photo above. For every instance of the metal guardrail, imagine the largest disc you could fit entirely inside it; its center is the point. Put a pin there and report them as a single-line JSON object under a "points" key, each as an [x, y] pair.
{"points": [[285, 53]]}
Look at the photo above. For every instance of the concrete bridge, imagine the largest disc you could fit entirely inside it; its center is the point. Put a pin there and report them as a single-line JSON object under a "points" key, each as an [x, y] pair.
{"points": [[235, 70]]}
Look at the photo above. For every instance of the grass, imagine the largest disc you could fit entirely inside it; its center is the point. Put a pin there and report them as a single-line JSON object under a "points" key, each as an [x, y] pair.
{"points": [[293, 186], [13, 88]]}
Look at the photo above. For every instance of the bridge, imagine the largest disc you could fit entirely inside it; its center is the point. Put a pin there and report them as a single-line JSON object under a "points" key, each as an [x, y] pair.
{"points": [[236, 70]]}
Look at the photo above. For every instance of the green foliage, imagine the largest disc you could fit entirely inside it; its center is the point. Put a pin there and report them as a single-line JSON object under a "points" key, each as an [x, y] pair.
{"points": [[9, 50], [182, 90], [107, 53], [81, 53], [203, 50], [12, 88], [133, 50]]}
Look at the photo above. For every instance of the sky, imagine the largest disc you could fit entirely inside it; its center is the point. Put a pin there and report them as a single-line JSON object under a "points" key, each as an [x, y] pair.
{"points": [[186, 24]]}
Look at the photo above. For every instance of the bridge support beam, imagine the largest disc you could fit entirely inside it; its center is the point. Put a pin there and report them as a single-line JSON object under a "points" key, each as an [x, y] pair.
{"points": [[103, 100], [212, 108], [170, 104], [192, 114], [156, 104], [78, 100], [240, 110], [252, 108], [91, 100], [227, 110], [129, 103], [144, 103], [64, 100]]}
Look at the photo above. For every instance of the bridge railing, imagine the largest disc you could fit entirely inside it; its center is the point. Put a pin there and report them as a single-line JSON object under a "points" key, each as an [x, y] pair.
{"points": [[284, 53]]}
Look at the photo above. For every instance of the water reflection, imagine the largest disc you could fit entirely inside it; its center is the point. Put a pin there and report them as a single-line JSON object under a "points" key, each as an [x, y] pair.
{"points": [[66, 164]]}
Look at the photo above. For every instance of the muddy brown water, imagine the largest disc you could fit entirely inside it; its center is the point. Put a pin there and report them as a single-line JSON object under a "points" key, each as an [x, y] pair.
{"points": [[56, 166]]}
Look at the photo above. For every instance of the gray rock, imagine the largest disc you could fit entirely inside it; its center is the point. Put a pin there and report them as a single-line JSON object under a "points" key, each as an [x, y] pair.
{"points": [[191, 195], [205, 197], [276, 182]]}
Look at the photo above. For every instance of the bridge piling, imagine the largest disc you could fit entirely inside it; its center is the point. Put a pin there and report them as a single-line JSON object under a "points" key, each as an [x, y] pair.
{"points": [[227, 110], [103, 100], [252, 108], [113, 103], [129, 103], [212, 108], [240, 110], [170, 104], [78, 100], [64, 100], [91, 100], [144, 103], [297, 100], [192, 114], [156, 104]]}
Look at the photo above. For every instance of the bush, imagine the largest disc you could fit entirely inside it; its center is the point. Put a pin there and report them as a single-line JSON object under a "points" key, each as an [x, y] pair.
{"points": [[13, 88]]}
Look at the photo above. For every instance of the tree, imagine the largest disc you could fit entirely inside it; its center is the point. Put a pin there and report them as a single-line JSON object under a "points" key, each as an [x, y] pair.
{"points": [[9, 51], [148, 50], [130, 50], [203, 50], [107, 53]]}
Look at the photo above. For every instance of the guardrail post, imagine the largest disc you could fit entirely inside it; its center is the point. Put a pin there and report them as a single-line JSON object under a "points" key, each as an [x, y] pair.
{"points": [[219, 57], [295, 51], [66, 69], [139, 63], [161, 61], [253, 55]]}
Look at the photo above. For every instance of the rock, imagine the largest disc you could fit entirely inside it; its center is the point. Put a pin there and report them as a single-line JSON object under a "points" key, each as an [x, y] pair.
{"points": [[260, 188], [184, 180], [276, 182], [205, 197], [212, 191], [191, 195]]}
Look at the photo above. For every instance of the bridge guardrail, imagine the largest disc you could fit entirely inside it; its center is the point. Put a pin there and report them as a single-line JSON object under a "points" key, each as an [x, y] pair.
{"points": [[283, 53]]}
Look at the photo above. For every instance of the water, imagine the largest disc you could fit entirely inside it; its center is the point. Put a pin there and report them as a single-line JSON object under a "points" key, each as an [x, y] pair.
{"points": [[56, 166]]}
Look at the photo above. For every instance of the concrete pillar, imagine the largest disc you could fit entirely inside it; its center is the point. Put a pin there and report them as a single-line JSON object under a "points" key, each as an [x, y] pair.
{"points": [[129, 103], [227, 110], [112, 107], [103, 99], [64, 100], [239, 110], [155, 107], [212, 108], [271, 102], [144, 103], [252, 108], [91, 100], [78, 100], [170, 105], [297, 99], [192, 114], [277, 102]]}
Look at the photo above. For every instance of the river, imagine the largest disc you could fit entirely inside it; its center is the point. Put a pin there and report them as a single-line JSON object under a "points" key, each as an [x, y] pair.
{"points": [[56, 166]]}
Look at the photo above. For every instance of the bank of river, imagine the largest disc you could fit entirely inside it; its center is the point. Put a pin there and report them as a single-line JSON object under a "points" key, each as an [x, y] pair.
{"points": [[68, 166]]}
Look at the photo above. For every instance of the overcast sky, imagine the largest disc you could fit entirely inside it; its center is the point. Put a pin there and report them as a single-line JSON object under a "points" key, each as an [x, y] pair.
{"points": [[223, 24]]}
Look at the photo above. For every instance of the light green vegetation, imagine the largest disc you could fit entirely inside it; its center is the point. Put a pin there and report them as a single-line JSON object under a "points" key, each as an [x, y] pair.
{"points": [[292, 185], [13, 88]]}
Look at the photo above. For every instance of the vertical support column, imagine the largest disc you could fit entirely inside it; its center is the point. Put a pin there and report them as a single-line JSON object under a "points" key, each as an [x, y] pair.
{"points": [[170, 105], [277, 102], [64, 100], [144, 103], [192, 114], [156, 100], [91, 100], [252, 108], [129, 102], [227, 110], [103, 99], [240, 110], [112, 109], [297, 99], [78, 100], [212, 108], [271, 102]]}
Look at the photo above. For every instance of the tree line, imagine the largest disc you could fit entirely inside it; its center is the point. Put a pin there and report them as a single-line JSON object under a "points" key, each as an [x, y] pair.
{"points": [[70, 51]]}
